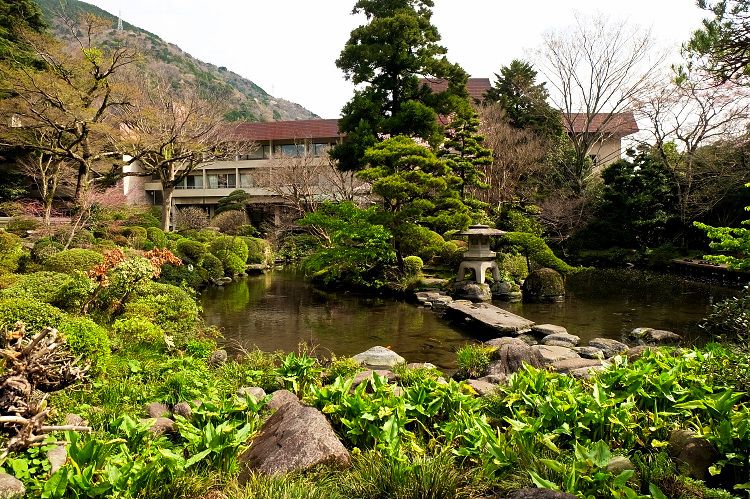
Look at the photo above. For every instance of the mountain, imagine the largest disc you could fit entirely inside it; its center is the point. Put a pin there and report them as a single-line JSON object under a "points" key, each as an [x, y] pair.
{"points": [[249, 101]]}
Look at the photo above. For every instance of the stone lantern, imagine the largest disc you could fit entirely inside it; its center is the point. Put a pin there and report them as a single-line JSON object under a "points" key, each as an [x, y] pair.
{"points": [[479, 257]]}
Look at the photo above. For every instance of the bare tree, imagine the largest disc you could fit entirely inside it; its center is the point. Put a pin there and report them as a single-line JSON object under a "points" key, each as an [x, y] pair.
{"points": [[686, 115], [595, 68], [69, 103], [519, 160], [171, 131], [48, 173]]}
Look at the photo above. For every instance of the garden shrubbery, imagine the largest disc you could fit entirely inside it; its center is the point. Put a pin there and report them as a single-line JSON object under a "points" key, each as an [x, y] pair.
{"points": [[35, 315], [232, 252], [73, 260], [87, 338]]}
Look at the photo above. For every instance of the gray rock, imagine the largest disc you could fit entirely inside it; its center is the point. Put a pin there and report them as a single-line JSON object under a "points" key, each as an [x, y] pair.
{"points": [[74, 420], [162, 426], [294, 438], [532, 493], [182, 409], [470, 290], [379, 358], [57, 457], [608, 346], [218, 358], [527, 338], [280, 398], [696, 453], [481, 387], [561, 340], [255, 392], [363, 376], [489, 317], [420, 365], [505, 340], [586, 372], [11, 487], [547, 329], [157, 410], [495, 379], [552, 354], [511, 356], [637, 352], [637, 333], [589, 352], [567, 365], [618, 464], [661, 337]]}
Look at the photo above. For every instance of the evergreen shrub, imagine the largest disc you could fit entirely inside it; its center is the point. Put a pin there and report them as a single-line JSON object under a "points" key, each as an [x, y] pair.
{"points": [[73, 260]]}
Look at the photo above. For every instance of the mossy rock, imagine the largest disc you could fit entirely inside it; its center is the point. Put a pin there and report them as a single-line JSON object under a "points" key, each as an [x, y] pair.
{"points": [[544, 285]]}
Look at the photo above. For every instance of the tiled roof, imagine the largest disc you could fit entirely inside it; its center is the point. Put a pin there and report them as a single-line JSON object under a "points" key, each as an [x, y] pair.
{"points": [[475, 86], [619, 124], [286, 130]]}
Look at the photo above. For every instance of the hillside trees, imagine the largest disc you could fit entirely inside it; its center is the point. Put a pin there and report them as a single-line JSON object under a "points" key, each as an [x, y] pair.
{"points": [[171, 131], [16, 17], [63, 110], [388, 56]]}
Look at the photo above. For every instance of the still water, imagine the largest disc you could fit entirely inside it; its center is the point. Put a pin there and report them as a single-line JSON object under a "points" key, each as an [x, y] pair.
{"points": [[278, 310]]}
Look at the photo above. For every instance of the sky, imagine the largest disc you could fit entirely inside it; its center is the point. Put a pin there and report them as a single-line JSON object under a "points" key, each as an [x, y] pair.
{"points": [[289, 47]]}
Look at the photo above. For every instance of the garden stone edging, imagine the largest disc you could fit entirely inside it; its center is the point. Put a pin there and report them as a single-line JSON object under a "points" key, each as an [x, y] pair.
{"points": [[294, 438], [11, 487]]}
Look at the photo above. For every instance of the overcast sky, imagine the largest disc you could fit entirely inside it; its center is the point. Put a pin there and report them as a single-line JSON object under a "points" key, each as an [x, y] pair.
{"points": [[289, 47]]}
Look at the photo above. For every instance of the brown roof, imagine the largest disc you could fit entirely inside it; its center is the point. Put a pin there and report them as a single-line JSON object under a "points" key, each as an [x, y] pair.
{"points": [[475, 86], [286, 130], [618, 124]]}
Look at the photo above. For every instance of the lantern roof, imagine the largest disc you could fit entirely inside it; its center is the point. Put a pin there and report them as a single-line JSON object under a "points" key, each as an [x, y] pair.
{"points": [[481, 230]]}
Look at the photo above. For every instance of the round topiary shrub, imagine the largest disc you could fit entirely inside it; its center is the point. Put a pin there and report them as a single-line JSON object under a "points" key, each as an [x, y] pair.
{"points": [[181, 275], [167, 306], [232, 252], [191, 252], [137, 329], [73, 237], [413, 266], [230, 222], [258, 250], [543, 285], [34, 314], [87, 338], [157, 236], [422, 242], [21, 225], [213, 267], [143, 220], [10, 252], [45, 248], [73, 260], [42, 286]]}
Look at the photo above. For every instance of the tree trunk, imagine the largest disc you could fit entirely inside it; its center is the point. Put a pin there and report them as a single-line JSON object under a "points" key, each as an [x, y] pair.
{"points": [[166, 207], [47, 210], [81, 182]]}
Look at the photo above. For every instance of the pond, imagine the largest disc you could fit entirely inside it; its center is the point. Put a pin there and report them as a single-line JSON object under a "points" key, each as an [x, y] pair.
{"points": [[279, 310]]}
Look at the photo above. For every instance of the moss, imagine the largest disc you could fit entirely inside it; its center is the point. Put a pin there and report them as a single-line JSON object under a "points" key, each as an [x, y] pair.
{"points": [[543, 285]]}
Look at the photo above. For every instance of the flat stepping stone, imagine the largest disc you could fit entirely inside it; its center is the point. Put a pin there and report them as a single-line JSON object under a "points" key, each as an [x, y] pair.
{"points": [[490, 317], [547, 329], [589, 352], [561, 339], [608, 346], [481, 387], [567, 365], [551, 353]]}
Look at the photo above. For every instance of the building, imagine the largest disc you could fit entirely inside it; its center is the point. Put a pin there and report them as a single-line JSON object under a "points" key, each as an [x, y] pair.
{"points": [[311, 139]]}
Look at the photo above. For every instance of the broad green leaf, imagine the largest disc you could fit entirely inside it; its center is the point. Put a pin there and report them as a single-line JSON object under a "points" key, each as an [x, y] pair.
{"points": [[541, 482]]}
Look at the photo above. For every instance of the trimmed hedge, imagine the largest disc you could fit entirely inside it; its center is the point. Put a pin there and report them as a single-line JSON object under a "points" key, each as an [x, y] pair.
{"points": [[73, 260], [87, 338], [232, 252], [10, 252], [33, 313]]}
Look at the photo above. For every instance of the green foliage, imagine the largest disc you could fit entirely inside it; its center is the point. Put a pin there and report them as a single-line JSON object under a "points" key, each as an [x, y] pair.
{"points": [[73, 260], [10, 252], [299, 372], [341, 367], [168, 307], [34, 314], [463, 150], [44, 248], [190, 251], [235, 201], [87, 338], [15, 17], [422, 242], [21, 225], [65, 291], [213, 267], [535, 249], [473, 360], [730, 319], [157, 236], [413, 266], [232, 252], [183, 275], [259, 250], [136, 329], [520, 219], [359, 251], [524, 100], [513, 266]]}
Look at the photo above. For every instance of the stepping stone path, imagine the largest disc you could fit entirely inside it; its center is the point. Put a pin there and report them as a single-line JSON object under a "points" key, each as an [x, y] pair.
{"points": [[552, 354], [547, 329], [589, 352], [489, 317], [561, 340], [609, 347], [565, 366]]}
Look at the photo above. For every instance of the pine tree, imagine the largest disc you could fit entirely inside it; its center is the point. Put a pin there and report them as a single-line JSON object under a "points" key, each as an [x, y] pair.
{"points": [[463, 150]]}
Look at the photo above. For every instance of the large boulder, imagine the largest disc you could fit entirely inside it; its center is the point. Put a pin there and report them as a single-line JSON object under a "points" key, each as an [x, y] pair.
{"points": [[294, 438], [511, 355], [654, 337], [11, 487], [547, 329], [481, 386], [379, 358], [280, 398], [157, 410], [568, 365], [543, 285], [474, 291], [609, 347], [696, 453]]}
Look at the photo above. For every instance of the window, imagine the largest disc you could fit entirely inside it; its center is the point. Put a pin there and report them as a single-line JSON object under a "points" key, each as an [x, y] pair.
{"points": [[256, 153], [290, 150], [221, 181], [246, 180], [320, 149]]}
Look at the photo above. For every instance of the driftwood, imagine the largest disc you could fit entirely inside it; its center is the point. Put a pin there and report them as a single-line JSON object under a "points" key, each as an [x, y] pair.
{"points": [[32, 368]]}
